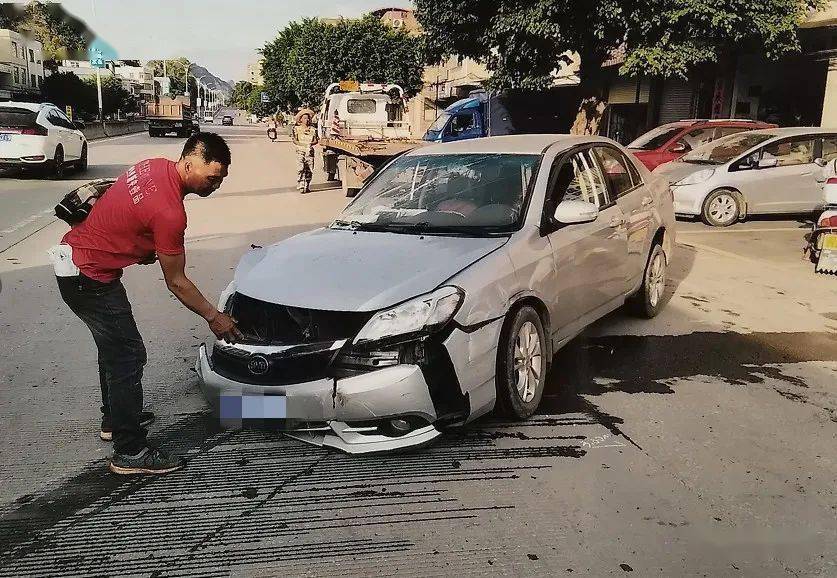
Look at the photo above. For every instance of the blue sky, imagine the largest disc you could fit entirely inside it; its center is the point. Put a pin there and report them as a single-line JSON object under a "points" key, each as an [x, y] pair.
{"points": [[222, 36]]}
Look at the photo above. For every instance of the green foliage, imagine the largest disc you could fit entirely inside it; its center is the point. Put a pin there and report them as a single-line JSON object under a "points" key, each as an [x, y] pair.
{"points": [[62, 35], [176, 69], [521, 42], [241, 93], [65, 88], [309, 55]]}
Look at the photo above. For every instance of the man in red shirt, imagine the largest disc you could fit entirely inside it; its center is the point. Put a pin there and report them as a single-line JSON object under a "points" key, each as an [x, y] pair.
{"points": [[140, 217]]}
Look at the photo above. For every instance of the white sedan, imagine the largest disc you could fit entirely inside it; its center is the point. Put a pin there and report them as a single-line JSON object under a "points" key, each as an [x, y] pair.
{"points": [[40, 136]]}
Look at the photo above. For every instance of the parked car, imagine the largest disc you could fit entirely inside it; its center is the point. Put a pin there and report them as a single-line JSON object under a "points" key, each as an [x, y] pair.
{"points": [[208, 117], [40, 136], [227, 120], [442, 290], [766, 171], [671, 141]]}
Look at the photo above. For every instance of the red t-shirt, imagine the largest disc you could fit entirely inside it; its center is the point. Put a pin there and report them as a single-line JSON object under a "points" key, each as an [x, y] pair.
{"points": [[141, 213]]}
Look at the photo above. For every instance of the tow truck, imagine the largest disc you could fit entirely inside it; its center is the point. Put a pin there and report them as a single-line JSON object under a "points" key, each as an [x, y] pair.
{"points": [[361, 127]]}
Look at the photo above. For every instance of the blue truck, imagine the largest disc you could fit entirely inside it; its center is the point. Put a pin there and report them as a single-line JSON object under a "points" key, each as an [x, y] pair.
{"points": [[485, 113]]}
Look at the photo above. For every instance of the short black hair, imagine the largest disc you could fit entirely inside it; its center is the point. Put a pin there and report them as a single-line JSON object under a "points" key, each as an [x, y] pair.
{"points": [[210, 146]]}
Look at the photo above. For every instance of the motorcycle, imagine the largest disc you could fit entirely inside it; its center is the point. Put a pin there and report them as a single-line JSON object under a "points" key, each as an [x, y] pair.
{"points": [[822, 240], [271, 134]]}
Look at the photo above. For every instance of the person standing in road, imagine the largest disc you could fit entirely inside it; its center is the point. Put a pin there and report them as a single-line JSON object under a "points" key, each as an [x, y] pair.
{"points": [[139, 219], [304, 137]]}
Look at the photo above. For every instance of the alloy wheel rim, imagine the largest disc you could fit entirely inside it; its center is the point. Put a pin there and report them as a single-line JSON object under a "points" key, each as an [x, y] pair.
{"points": [[656, 279], [528, 361], [723, 208]]}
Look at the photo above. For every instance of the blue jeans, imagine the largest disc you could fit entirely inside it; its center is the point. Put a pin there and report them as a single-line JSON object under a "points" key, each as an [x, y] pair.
{"points": [[105, 309]]}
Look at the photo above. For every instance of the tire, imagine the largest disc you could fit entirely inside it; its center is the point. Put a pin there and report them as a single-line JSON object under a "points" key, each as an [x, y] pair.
{"points": [[153, 133], [517, 399], [721, 208], [82, 163], [648, 301], [57, 166], [352, 192]]}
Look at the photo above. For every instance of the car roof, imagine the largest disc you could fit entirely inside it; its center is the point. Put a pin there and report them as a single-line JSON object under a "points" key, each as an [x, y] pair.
{"points": [[535, 144], [33, 106], [795, 131]]}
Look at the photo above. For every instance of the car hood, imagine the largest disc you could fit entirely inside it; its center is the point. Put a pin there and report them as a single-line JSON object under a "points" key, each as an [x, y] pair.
{"points": [[338, 270], [678, 170]]}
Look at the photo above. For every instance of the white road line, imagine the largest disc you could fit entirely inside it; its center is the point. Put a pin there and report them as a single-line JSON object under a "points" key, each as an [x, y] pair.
{"points": [[27, 221], [768, 230], [113, 138], [730, 255]]}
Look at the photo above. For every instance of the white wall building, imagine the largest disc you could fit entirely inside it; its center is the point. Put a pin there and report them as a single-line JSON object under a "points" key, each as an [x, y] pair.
{"points": [[21, 65]]}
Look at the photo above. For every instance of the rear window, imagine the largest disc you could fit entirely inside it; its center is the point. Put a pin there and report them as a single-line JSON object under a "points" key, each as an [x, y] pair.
{"points": [[11, 117], [656, 138], [361, 105]]}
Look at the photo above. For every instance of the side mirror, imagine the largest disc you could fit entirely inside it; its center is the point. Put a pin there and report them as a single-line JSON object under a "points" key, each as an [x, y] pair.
{"points": [[573, 212], [768, 163], [79, 125], [820, 162]]}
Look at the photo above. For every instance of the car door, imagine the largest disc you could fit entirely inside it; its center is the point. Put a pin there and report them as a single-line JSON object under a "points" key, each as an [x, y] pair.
{"points": [[59, 129], [590, 257], [789, 186], [74, 137], [626, 186]]}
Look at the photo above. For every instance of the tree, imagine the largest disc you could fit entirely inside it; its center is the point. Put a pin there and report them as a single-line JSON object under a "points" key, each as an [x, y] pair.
{"points": [[114, 96], [241, 94], [176, 69], [65, 88], [61, 34], [309, 55], [521, 42]]}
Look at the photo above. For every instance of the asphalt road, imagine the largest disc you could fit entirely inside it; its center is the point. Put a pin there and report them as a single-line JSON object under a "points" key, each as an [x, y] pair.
{"points": [[699, 443]]}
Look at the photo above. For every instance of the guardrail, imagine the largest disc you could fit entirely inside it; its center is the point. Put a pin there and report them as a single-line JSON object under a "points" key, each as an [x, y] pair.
{"points": [[97, 130]]}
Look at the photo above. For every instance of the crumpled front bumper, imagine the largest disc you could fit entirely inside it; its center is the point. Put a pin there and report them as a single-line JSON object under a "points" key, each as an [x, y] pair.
{"points": [[337, 406]]}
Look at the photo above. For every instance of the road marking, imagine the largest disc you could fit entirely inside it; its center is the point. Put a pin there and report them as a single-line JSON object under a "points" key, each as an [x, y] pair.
{"points": [[113, 138], [27, 221], [731, 255], [770, 230]]}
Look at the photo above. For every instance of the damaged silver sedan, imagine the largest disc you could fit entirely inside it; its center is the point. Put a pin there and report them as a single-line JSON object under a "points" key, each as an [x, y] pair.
{"points": [[441, 291]]}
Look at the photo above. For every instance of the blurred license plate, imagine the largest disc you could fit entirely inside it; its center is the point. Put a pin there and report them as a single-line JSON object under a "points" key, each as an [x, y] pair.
{"points": [[827, 263], [5, 137]]}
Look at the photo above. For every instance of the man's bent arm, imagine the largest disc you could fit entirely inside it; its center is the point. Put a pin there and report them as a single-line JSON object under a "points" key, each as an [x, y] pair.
{"points": [[174, 271]]}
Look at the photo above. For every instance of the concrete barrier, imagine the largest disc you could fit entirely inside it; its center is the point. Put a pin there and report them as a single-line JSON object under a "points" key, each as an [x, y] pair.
{"points": [[96, 130]]}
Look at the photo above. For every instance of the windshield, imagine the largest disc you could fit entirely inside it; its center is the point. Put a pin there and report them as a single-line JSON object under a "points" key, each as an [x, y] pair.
{"points": [[17, 117], [468, 194], [656, 138], [726, 148], [439, 123]]}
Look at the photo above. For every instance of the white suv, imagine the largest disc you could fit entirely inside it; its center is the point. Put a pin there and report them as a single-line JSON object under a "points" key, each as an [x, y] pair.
{"points": [[40, 136]]}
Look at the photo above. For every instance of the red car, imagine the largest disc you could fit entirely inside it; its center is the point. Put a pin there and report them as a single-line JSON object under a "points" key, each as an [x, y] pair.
{"points": [[673, 140]]}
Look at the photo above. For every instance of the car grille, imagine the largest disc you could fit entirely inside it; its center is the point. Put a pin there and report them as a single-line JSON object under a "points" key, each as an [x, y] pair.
{"points": [[266, 323], [294, 345]]}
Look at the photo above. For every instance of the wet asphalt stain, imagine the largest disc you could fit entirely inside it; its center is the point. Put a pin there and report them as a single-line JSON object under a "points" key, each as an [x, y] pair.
{"points": [[642, 364]]}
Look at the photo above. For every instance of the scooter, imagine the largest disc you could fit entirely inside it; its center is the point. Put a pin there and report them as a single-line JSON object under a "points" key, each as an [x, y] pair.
{"points": [[822, 240]]}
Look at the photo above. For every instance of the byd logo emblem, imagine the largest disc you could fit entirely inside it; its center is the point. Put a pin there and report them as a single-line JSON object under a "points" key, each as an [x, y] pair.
{"points": [[258, 364]]}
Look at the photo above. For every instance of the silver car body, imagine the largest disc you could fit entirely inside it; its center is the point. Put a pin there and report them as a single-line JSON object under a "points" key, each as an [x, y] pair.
{"points": [[572, 276], [795, 188]]}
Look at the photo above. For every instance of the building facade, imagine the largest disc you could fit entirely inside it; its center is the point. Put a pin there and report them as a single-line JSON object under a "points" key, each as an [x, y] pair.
{"points": [[254, 72], [21, 66]]}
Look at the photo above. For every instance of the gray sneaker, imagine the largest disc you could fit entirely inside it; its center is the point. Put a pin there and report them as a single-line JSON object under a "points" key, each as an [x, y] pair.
{"points": [[148, 461]]}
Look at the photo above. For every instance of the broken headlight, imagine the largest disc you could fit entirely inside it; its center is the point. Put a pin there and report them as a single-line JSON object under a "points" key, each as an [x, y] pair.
{"points": [[424, 314], [224, 299]]}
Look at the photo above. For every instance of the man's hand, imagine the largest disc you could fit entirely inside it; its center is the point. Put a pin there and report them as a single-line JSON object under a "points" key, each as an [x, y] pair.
{"points": [[223, 326], [149, 260]]}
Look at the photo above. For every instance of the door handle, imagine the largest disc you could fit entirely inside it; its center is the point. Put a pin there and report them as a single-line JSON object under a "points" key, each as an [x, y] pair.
{"points": [[647, 201]]}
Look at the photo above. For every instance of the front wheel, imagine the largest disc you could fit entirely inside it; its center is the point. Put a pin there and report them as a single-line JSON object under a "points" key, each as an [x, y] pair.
{"points": [[58, 164], [721, 208], [521, 364], [648, 301]]}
